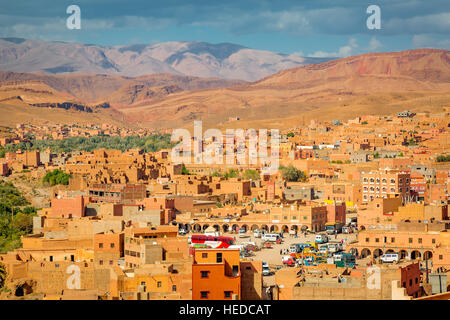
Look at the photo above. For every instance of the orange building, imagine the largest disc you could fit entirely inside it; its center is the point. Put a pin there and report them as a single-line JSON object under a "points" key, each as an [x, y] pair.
{"points": [[216, 274], [378, 184], [68, 207]]}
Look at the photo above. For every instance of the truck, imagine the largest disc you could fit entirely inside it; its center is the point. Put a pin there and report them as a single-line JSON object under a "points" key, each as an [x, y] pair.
{"points": [[332, 227], [321, 238], [334, 247]]}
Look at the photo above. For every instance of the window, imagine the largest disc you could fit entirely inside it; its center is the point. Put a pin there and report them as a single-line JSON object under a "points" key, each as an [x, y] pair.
{"points": [[101, 262], [433, 240], [219, 257], [367, 239], [112, 245], [227, 294], [204, 255], [441, 257], [142, 283], [377, 239], [174, 288], [417, 280], [204, 294], [111, 262], [410, 282], [420, 240], [235, 271], [205, 274], [410, 240], [159, 284], [100, 245], [392, 240]]}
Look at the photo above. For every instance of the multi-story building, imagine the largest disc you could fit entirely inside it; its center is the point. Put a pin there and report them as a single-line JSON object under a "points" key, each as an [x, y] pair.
{"points": [[216, 274], [378, 184]]}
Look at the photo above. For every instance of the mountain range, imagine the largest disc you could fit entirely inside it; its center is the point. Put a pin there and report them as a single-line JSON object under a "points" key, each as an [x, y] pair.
{"points": [[373, 83], [199, 59]]}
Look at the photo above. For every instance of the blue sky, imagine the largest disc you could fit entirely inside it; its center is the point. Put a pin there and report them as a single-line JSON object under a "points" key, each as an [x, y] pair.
{"points": [[318, 28]]}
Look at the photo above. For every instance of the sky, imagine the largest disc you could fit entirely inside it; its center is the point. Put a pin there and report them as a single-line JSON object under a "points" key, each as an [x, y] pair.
{"points": [[315, 28]]}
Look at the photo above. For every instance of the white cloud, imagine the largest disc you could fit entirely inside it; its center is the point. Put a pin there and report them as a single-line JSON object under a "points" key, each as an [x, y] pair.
{"points": [[344, 51], [426, 41], [374, 45], [435, 23]]}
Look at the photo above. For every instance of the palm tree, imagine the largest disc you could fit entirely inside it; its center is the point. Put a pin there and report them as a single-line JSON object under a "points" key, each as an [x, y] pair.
{"points": [[2, 275]]}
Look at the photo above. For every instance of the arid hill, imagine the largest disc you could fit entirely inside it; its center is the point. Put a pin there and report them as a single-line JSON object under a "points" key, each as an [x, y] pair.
{"points": [[100, 94], [375, 83]]}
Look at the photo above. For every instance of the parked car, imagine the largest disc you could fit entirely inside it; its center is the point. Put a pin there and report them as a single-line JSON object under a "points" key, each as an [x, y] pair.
{"points": [[389, 258], [288, 260], [265, 269], [242, 233], [257, 233]]}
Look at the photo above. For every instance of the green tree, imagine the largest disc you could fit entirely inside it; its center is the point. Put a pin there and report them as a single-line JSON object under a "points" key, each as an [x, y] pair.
{"points": [[231, 173], [184, 170], [291, 173], [21, 223], [56, 177], [2, 275], [443, 158], [251, 174], [216, 174]]}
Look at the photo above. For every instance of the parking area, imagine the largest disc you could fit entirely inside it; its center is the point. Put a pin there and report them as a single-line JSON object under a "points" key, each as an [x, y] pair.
{"points": [[272, 255]]}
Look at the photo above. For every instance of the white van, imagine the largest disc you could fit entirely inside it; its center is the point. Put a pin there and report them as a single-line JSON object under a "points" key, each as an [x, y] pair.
{"points": [[257, 233], [389, 257], [270, 237]]}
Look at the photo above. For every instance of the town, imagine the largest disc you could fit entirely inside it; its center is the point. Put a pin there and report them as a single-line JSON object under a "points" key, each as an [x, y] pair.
{"points": [[358, 210]]}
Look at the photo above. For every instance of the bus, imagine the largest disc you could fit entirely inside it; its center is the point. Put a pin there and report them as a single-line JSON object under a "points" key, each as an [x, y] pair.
{"points": [[216, 242], [344, 259]]}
